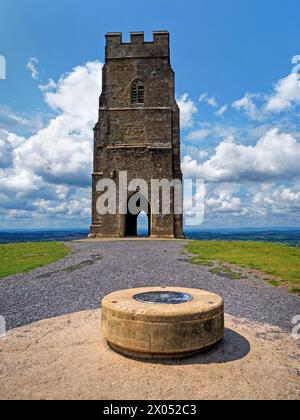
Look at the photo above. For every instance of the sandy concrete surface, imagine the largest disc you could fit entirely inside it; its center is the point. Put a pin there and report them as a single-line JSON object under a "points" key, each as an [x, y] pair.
{"points": [[65, 358]]}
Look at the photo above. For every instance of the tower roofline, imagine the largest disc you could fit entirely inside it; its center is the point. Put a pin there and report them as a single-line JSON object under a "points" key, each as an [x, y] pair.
{"points": [[137, 47]]}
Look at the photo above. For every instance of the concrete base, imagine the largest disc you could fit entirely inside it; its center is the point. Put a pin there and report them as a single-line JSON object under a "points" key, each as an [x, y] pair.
{"points": [[147, 331], [158, 356], [65, 358]]}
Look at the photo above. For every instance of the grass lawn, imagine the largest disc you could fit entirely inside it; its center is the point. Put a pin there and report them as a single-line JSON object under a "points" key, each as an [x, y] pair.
{"points": [[20, 258], [277, 260]]}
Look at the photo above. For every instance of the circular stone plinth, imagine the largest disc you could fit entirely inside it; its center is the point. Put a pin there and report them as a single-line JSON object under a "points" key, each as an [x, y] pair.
{"points": [[162, 322]]}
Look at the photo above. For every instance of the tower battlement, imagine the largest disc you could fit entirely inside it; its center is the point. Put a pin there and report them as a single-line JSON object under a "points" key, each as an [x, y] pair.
{"points": [[137, 47]]}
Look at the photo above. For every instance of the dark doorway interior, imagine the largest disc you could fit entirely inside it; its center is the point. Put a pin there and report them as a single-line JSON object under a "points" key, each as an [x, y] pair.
{"points": [[133, 226]]}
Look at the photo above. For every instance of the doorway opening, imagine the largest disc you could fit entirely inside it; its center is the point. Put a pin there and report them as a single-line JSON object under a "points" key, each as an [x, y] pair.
{"points": [[143, 225], [138, 225]]}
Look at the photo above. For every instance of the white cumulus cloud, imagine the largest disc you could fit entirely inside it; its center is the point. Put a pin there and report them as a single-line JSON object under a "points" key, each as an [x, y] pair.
{"points": [[32, 67], [199, 134], [286, 95], [275, 156], [221, 111], [50, 168], [281, 200], [247, 104], [225, 204], [188, 110], [210, 101]]}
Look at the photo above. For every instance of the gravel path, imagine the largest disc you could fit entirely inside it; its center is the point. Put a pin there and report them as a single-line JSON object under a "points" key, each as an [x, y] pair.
{"points": [[95, 269]]}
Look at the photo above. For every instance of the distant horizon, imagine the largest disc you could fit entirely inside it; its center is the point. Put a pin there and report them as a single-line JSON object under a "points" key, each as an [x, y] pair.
{"points": [[269, 228], [289, 236]]}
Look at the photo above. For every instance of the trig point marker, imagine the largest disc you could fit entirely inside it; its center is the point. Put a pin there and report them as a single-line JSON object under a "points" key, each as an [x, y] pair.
{"points": [[162, 322]]}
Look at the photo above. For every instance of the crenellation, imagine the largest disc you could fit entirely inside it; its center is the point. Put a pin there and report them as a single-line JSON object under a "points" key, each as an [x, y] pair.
{"points": [[137, 38], [161, 38], [137, 47], [113, 39]]}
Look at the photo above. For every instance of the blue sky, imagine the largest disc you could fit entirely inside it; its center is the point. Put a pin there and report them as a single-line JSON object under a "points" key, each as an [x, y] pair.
{"points": [[240, 104]]}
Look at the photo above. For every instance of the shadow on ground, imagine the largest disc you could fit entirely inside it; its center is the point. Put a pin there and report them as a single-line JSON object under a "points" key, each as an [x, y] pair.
{"points": [[233, 347]]}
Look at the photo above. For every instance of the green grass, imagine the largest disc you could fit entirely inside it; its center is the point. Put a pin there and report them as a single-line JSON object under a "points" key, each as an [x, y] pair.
{"points": [[281, 261], [226, 272], [216, 271], [21, 258]]}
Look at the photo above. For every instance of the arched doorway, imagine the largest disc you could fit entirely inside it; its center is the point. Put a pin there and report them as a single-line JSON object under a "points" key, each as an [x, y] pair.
{"points": [[138, 224]]}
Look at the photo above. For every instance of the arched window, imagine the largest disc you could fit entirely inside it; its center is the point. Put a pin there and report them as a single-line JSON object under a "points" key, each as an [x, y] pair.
{"points": [[137, 92]]}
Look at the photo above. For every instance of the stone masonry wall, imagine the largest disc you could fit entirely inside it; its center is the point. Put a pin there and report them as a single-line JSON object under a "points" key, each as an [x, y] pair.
{"points": [[142, 139]]}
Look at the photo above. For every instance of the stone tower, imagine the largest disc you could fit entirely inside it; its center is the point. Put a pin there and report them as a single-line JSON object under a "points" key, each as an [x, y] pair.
{"points": [[138, 129]]}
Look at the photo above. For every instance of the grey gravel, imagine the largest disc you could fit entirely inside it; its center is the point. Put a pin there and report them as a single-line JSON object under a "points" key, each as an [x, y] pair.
{"points": [[94, 269]]}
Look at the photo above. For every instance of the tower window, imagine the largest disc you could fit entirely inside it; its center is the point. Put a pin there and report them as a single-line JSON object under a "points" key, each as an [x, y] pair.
{"points": [[137, 92]]}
